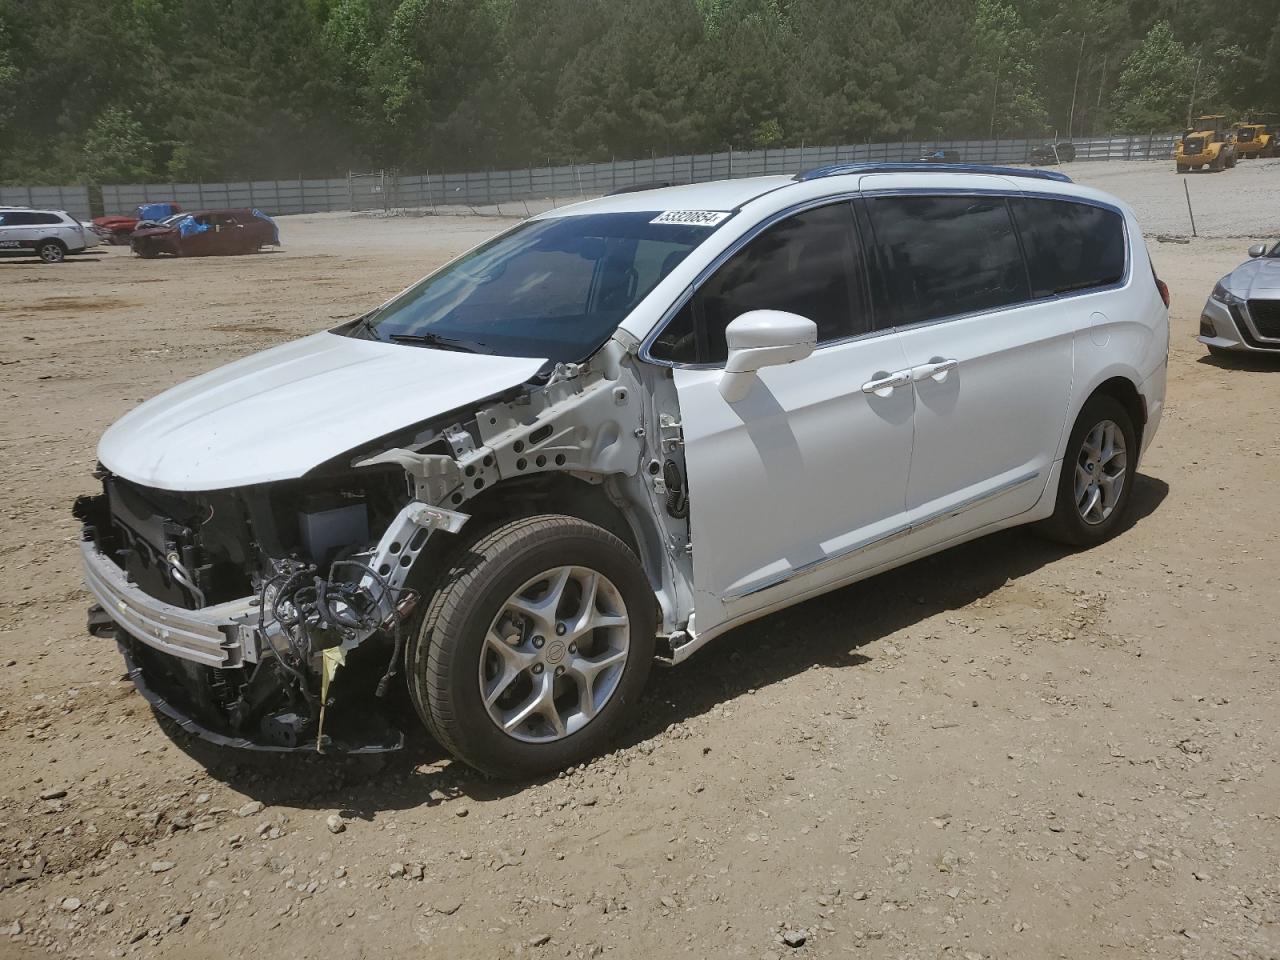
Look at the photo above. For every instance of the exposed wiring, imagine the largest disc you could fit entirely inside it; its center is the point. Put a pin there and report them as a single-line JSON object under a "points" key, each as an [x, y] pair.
{"points": [[262, 631], [305, 605]]}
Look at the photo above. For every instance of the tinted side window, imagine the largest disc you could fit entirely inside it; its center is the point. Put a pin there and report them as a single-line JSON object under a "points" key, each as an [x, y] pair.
{"points": [[16, 218], [43, 218], [807, 264], [1070, 246], [947, 255]]}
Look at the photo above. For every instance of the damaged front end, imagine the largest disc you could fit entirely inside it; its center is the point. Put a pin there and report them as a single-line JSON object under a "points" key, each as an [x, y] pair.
{"points": [[275, 616], [234, 609]]}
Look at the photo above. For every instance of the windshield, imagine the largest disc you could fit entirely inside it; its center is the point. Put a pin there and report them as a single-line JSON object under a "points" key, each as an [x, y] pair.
{"points": [[555, 289]]}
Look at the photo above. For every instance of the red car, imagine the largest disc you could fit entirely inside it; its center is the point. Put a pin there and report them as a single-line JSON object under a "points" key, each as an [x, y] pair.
{"points": [[118, 227], [206, 233]]}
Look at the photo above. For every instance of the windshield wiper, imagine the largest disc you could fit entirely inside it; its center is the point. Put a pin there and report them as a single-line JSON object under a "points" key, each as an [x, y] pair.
{"points": [[365, 324], [437, 341]]}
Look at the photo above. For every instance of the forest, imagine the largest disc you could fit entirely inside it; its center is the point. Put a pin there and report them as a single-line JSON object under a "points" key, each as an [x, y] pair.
{"points": [[110, 91]]}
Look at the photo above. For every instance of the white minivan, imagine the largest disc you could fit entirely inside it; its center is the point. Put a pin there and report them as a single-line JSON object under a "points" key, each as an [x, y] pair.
{"points": [[613, 433]]}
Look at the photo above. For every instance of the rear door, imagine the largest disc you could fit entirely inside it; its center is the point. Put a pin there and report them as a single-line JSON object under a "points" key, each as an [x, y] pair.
{"points": [[991, 364], [231, 233]]}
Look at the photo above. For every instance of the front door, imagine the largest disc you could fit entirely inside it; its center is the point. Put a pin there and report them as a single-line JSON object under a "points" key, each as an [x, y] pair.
{"points": [[17, 230], [801, 482], [991, 364]]}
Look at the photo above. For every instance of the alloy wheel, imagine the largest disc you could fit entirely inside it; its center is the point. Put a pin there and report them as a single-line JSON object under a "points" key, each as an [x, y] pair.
{"points": [[1101, 468], [554, 654]]}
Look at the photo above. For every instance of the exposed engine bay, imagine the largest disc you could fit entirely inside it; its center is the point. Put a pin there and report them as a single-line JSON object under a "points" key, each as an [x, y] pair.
{"points": [[302, 592]]}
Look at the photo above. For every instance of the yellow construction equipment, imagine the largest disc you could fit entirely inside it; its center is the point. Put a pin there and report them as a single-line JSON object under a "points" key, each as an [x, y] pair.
{"points": [[1208, 143], [1254, 140]]}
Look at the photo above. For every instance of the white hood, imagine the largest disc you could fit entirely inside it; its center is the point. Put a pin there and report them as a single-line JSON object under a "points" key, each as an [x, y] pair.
{"points": [[277, 414]]}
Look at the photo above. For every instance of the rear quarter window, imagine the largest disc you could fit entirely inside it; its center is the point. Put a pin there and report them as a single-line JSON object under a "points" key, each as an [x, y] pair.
{"points": [[1070, 246]]}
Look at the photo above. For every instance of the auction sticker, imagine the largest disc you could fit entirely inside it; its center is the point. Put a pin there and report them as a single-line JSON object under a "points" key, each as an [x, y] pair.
{"points": [[692, 218]]}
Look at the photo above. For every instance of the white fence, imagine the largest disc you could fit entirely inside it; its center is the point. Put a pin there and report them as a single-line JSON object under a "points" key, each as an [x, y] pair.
{"points": [[74, 200], [388, 190], [270, 196], [391, 191]]}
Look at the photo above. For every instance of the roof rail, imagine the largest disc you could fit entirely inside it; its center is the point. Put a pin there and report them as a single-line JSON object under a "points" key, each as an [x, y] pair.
{"points": [[918, 166], [640, 187]]}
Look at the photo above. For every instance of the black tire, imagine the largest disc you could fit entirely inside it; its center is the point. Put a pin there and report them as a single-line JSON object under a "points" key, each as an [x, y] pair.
{"points": [[1067, 525], [51, 250], [444, 656], [147, 251]]}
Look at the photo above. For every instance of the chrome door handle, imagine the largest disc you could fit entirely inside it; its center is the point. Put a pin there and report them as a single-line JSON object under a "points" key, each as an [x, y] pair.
{"points": [[937, 369], [884, 385]]}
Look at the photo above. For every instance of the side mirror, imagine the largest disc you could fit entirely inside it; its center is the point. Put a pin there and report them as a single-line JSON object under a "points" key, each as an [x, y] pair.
{"points": [[763, 338], [1258, 250]]}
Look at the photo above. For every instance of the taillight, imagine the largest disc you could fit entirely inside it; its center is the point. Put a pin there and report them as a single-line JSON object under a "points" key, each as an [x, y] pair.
{"points": [[1164, 290]]}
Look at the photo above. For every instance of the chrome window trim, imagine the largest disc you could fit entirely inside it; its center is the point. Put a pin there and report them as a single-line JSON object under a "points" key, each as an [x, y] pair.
{"points": [[645, 352]]}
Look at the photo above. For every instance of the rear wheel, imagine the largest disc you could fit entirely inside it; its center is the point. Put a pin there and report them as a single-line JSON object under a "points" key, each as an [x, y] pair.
{"points": [[1097, 475], [51, 251], [533, 653]]}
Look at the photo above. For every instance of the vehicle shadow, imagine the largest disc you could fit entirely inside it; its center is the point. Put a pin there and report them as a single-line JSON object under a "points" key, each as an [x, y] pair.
{"points": [[826, 631], [37, 262], [1252, 362]]}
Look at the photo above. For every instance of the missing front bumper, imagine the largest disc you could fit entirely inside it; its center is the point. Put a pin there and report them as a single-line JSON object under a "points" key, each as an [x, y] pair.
{"points": [[213, 672], [182, 696]]}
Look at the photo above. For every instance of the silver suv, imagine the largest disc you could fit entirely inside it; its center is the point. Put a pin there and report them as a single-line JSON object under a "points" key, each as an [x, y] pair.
{"points": [[49, 234]]}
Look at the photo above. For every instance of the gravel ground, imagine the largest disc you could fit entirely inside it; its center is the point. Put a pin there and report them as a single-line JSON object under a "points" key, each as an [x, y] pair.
{"points": [[1241, 202], [1005, 751]]}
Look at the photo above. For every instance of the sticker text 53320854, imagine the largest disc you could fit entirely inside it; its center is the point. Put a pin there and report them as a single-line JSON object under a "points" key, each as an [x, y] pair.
{"points": [[691, 218]]}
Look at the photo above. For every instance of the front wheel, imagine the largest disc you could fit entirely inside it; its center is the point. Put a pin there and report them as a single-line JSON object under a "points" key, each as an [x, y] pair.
{"points": [[533, 654], [1097, 475]]}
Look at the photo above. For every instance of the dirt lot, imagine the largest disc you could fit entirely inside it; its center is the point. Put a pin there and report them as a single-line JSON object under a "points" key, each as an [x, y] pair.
{"points": [[1006, 751]]}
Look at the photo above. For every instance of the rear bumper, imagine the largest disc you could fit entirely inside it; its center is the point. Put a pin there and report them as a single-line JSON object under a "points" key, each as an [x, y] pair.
{"points": [[218, 636], [1153, 391]]}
